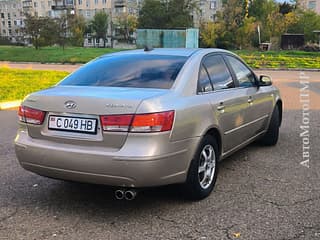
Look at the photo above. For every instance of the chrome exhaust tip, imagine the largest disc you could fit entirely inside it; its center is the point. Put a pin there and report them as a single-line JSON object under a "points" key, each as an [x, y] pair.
{"points": [[130, 195], [119, 194]]}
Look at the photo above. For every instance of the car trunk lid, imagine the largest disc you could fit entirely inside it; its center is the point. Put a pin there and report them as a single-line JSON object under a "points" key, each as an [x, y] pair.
{"points": [[83, 103]]}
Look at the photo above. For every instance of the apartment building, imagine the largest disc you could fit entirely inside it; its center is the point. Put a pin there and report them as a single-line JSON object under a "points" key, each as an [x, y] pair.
{"points": [[11, 16], [310, 4], [47, 8], [207, 11], [12, 12], [88, 8]]}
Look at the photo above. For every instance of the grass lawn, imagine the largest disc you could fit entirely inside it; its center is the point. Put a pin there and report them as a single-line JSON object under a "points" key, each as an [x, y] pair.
{"points": [[281, 59], [16, 84], [51, 54], [256, 59]]}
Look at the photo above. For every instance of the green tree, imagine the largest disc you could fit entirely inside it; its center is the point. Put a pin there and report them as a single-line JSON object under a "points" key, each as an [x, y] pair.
{"points": [[153, 14], [274, 25], [262, 8], [230, 20], [179, 13], [263, 11], [291, 19], [62, 30], [210, 32], [166, 14], [285, 8], [245, 33], [100, 25], [77, 26], [127, 25], [306, 22], [41, 30], [33, 28]]}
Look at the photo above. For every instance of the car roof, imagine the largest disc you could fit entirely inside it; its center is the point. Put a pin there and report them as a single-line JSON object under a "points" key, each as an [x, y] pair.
{"points": [[187, 52]]}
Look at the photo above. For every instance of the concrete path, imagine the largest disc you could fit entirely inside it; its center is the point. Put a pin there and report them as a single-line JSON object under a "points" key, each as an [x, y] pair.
{"points": [[40, 66]]}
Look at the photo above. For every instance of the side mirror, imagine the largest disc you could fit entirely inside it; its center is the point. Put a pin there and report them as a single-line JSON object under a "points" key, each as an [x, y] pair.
{"points": [[265, 81]]}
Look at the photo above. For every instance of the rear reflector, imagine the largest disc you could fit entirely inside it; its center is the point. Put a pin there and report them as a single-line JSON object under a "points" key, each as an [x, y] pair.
{"points": [[153, 122], [30, 115]]}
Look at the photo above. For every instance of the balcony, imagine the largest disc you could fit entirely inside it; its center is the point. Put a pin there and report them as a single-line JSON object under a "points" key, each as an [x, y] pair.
{"points": [[119, 4], [27, 4], [62, 5]]}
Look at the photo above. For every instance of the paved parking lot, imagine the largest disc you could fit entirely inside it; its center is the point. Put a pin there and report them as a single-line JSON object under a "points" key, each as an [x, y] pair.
{"points": [[261, 192]]}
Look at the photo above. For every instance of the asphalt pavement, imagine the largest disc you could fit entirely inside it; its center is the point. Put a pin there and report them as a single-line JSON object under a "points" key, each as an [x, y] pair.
{"points": [[261, 192]]}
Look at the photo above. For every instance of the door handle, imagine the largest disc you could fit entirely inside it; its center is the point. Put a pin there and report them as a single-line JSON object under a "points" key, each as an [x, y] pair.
{"points": [[220, 107]]}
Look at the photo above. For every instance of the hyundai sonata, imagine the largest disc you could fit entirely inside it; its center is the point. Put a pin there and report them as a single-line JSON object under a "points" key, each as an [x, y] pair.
{"points": [[144, 118]]}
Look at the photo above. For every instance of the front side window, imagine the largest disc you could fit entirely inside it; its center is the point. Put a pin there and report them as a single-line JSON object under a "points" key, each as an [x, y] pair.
{"points": [[129, 70], [218, 72], [243, 74]]}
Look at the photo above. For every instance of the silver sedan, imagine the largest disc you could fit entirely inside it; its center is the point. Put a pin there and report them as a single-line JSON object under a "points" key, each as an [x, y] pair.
{"points": [[146, 118]]}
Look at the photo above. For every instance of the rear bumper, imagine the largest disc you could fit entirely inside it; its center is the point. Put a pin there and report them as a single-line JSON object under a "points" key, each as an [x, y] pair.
{"points": [[127, 167]]}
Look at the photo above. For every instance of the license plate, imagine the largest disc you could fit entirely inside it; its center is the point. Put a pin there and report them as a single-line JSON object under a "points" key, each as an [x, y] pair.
{"points": [[73, 124]]}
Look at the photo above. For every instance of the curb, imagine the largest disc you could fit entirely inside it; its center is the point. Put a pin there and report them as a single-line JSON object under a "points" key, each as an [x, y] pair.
{"points": [[10, 105], [288, 69]]}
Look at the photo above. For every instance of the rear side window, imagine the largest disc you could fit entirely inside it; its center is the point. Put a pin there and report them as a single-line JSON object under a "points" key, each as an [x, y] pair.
{"points": [[130, 70], [204, 84], [218, 72]]}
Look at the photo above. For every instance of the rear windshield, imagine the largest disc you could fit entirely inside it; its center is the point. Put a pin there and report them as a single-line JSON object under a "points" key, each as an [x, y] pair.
{"points": [[130, 70]]}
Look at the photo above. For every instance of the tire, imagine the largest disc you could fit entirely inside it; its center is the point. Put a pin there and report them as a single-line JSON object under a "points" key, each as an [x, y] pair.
{"points": [[271, 136], [202, 176]]}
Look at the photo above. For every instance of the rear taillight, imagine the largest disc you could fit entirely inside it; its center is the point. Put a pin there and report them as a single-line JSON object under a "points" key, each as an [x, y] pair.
{"points": [[153, 122], [116, 123], [31, 115]]}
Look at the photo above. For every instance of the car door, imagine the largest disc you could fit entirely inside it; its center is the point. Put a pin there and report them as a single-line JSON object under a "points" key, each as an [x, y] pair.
{"points": [[259, 102], [228, 105]]}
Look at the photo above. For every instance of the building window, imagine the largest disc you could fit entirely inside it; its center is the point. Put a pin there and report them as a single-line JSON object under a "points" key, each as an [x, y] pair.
{"points": [[96, 2], [4, 31], [9, 16], [79, 2], [35, 4], [10, 31], [213, 5], [2, 15], [104, 1], [312, 5], [88, 13]]}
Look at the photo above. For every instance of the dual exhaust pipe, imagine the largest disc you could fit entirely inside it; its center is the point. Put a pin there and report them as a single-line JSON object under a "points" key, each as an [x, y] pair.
{"points": [[125, 194]]}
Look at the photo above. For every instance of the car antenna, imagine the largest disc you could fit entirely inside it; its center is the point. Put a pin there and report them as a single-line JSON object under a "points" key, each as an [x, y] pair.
{"points": [[148, 48]]}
